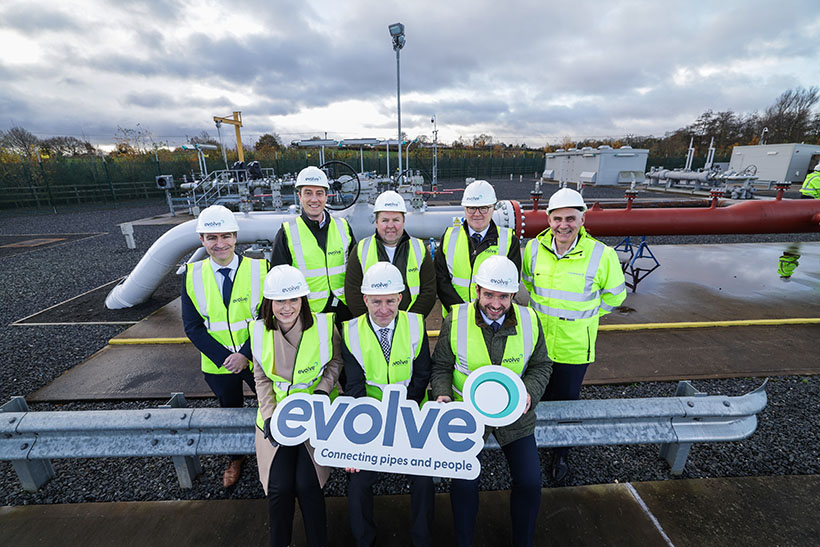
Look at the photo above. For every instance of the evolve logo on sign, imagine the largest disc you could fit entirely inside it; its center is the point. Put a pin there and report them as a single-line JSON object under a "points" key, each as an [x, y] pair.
{"points": [[395, 436]]}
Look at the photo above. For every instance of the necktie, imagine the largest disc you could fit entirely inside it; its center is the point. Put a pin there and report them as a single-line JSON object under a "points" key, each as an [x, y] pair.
{"points": [[476, 239], [227, 285], [385, 343], [495, 326]]}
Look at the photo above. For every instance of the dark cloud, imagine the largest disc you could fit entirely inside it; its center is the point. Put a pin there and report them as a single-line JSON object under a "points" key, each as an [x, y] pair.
{"points": [[34, 21]]}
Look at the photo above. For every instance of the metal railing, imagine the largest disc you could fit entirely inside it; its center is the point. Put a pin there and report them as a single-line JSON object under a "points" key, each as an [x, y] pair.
{"points": [[31, 439]]}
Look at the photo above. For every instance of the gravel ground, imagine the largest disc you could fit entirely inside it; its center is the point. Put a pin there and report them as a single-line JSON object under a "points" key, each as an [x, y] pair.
{"points": [[785, 443]]}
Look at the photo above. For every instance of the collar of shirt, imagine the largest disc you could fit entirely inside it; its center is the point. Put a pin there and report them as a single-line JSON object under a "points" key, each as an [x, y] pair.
{"points": [[377, 328], [571, 247], [233, 266], [489, 321], [481, 233]]}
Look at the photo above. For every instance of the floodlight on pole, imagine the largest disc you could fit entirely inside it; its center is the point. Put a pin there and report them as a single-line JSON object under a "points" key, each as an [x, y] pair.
{"points": [[397, 33]]}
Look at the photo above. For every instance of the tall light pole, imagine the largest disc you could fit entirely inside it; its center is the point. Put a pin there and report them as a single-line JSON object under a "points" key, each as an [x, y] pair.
{"points": [[435, 152], [397, 33]]}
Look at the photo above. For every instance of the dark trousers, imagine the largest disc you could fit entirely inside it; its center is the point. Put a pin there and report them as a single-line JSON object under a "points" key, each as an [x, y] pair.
{"points": [[525, 495], [292, 476], [228, 390], [565, 385], [360, 508]]}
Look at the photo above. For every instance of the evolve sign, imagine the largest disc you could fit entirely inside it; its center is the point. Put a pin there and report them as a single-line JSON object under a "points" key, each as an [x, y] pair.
{"points": [[394, 435]]}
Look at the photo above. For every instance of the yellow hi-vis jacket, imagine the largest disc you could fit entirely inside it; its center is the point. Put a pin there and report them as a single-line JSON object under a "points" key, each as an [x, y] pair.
{"points": [[456, 247], [470, 350], [368, 254], [312, 356], [811, 186], [569, 294], [228, 326], [364, 345], [324, 271]]}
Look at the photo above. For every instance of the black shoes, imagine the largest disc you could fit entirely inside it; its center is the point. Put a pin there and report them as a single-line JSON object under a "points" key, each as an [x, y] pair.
{"points": [[560, 468]]}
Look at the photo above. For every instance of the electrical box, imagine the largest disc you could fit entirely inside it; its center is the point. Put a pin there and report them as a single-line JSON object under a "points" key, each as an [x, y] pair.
{"points": [[602, 166], [165, 182], [776, 162]]}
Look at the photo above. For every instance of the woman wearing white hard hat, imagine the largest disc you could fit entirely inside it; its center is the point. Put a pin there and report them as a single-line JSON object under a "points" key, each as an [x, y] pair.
{"points": [[294, 351], [465, 246], [392, 244]]}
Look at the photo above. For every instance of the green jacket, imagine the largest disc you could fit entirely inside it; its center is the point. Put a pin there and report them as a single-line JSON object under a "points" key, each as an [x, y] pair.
{"points": [[535, 377], [811, 186]]}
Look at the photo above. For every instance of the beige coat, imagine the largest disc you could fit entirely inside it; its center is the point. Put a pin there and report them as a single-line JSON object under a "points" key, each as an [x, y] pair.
{"points": [[284, 351]]}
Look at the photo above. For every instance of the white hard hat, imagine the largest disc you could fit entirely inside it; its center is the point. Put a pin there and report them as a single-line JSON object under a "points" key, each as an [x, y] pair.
{"points": [[382, 278], [284, 282], [478, 194], [216, 219], [390, 201], [498, 273], [312, 176], [566, 197], [817, 167]]}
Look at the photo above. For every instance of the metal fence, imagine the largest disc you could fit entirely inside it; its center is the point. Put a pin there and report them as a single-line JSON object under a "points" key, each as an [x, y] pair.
{"points": [[31, 439]]}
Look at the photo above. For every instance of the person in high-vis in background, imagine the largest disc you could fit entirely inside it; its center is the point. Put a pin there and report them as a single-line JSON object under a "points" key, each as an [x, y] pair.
{"points": [[494, 331], [464, 247], [811, 185], [572, 279], [386, 346], [318, 244], [788, 262], [220, 299], [391, 243], [294, 351]]}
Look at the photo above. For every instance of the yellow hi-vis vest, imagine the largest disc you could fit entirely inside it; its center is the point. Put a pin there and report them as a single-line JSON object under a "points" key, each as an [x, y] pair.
{"points": [[470, 350], [368, 254], [324, 271], [230, 327], [364, 345], [811, 186], [569, 294], [456, 247], [312, 356]]}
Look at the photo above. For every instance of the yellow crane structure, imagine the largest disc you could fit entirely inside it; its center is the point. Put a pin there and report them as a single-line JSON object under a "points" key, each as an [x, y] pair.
{"points": [[236, 122]]}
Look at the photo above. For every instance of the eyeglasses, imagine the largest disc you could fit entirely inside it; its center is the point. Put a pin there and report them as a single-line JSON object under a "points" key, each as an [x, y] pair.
{"points": [[472, 210]]}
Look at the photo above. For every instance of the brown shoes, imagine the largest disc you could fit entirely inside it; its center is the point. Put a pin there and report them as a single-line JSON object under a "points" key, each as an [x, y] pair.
{"points": [[232, 473]]}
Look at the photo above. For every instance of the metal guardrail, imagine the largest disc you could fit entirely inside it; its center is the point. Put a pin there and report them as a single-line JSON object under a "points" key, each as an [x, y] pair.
{"points": [[31, 439]]}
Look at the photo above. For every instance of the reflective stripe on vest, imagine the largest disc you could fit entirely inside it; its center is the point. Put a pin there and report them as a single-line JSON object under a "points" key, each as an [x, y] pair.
{"points": [[471, 352], [229, 327], [326, 273], [312, 356], [368, 255], [405, 347], [589, 295], [457, 253]]}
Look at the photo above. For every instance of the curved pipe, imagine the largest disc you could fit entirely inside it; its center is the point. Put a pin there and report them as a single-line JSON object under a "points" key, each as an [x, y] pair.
{"points": [[749, 217], [173, 245]]}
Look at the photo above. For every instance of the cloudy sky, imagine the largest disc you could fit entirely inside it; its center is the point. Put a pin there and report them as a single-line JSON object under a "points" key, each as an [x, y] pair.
{"points": [[532, 72]]}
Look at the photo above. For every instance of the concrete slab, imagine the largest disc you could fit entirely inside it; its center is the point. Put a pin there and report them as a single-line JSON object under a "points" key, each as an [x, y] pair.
{"points": [[720, 352], [733, 511], [737, 511]]}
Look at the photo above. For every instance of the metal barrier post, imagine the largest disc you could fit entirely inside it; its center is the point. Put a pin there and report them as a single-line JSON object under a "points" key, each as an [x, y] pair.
{"points": [[676, 454], [187, 467], [32, 473]]}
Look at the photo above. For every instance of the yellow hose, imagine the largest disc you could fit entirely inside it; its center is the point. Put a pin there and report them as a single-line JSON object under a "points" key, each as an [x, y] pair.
{"points": [[622, 327]]}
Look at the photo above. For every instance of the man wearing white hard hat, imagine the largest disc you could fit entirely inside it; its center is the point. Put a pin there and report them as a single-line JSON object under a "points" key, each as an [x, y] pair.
{"points": [[573, 279], [220, 298], [294, 351], [391, 243], [811, 186], [386, 346], [318, 244], [465, 246], [494, 331]]}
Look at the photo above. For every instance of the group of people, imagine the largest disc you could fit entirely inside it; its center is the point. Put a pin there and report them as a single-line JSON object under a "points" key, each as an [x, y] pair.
{"points": [[333, 316]]}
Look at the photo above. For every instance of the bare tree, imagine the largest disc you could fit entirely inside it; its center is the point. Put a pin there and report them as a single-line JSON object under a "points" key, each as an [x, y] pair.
{"points": [[20, 140], [789, 118]]}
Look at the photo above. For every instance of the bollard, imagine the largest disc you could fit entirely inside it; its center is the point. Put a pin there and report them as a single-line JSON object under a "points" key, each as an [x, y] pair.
{"points": [[128, 232], [520, 178]]}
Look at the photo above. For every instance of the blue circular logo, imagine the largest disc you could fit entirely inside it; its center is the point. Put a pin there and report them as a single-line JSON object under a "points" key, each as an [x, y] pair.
{"points": [[497, 394]]}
